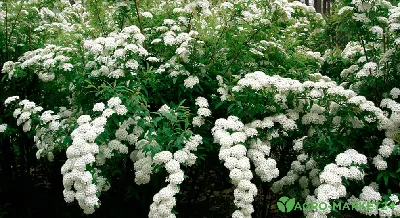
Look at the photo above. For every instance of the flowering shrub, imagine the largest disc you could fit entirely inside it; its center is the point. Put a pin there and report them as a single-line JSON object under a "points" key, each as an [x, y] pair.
{"points": [[169, 84]]}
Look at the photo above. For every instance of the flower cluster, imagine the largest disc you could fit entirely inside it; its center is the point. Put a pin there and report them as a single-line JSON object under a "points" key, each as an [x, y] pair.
{"points": [[266, 79], [142, 161], [265, 168], [3, 127], [46, 137], [24, 112], [116, 55], [369, 193], [163, 203], [298, 171], [348, 166], [202, 112], [43, 60], [233, 153], [77, 180]]}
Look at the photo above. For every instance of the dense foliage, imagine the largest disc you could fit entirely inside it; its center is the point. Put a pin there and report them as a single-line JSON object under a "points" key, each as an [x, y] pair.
{"points": [[303, 104]]}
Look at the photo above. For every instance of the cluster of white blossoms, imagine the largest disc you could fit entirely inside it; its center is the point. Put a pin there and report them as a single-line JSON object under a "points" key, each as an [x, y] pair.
{"points": [[106, 149], [222, 89], [371, 194], [116, 55], [43, 60], [347, 166], [395, 93], [369, 69], [393, 19], [387, 147], [329, 182], [122, 133], [265, 168], [191, 81], [3, 127], [202, 112], [191, 7], [391, 126], [71, 19], [23, 112], [147, 14], [46, 137], [298, 172], [321, 88], [234, 154], [77, 181], [352, 50], [372, 58], [173, 34], [142, 161], [164, 201], [349, 71]]}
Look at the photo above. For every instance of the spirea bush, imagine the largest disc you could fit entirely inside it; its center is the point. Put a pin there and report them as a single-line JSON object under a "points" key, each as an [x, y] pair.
{"points": [[267, 86]]}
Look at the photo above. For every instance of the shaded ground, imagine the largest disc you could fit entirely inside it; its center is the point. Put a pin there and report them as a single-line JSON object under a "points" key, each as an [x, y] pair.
{"points": [[205, 194]]}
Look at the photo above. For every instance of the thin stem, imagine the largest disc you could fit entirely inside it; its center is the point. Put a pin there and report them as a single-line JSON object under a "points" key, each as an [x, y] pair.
{"points": [[264, 202], [6, 30], [29, 38], [101, 22], [220, 36], [14, 23], [365, 51], [244, 44], [138, 15]]}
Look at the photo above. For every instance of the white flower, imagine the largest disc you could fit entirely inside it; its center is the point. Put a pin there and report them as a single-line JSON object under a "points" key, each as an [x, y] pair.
{"points": [[10, 99], [395, 92], [155, 41], [205, 112], [153, 59], [172, 166], [132, 64], [99, 107], [3, 127], [394, 198], [201, 102], [67, 67], [147, 14], [191, 81], [84, 119], [164, 109], [114, 102], [162, 157], [227, 5], [108, 112], [121, 109]]}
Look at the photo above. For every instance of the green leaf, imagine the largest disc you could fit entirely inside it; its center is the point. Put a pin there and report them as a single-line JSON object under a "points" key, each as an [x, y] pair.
{"points": [[380, 175], [219, 104], [230, 107], [386, 179]]}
